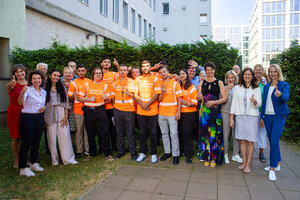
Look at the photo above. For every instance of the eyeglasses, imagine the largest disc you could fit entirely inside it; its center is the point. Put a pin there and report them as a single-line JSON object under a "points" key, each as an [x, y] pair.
{"points": [[98, 73]]}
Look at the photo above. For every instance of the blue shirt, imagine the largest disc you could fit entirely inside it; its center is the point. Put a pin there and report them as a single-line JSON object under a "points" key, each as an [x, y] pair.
{"points": [[195, 81], [73, 78]]}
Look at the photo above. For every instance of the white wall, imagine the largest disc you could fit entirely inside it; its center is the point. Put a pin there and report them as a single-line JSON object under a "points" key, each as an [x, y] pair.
{"points": [[41, 30], [92, 13], [183, 21]]}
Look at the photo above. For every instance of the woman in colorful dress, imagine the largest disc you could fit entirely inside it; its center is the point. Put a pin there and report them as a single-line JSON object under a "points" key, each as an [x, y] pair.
{"points": [[210, 121], [188, 115], [244, 115], [273, 115], [14, 88]]}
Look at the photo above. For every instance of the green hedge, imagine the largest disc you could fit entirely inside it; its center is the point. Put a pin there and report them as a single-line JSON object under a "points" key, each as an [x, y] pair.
{"points": [[177, 56], [289, 61]]}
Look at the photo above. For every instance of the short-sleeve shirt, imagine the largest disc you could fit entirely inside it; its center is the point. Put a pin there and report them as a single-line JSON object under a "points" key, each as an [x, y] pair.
{"points": [[189, 95], [77, 86], [168, 105], [33, 100], [146, 87], [108, 78], [97, 90], [118, 92]]}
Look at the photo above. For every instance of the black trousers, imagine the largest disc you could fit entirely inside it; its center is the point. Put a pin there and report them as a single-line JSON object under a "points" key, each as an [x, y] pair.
{"points": [[112, 129], [144, 123], [186, 127], [124, 121], [95, 119], [31, 129]]}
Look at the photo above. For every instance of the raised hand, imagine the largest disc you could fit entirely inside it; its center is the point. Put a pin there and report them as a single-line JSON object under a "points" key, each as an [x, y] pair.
{"points": [[193, 63], [13, 82], [253, 100], [277, 92], [156, 66], [116, 62], [24, 90]]}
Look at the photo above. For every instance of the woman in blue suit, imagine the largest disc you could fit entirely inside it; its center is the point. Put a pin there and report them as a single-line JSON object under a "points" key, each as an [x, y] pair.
{"points": [[273, 114]]}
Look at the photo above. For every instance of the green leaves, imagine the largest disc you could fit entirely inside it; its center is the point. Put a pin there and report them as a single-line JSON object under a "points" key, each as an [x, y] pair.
{"points": [[58, 55]]}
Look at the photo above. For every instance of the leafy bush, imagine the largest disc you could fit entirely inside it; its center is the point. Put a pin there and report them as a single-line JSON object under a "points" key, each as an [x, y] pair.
{"points": [[177, 56], [289, 61]]}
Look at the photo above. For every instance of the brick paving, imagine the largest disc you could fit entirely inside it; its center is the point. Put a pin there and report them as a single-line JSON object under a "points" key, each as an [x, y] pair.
{"points": [[164, 181]]}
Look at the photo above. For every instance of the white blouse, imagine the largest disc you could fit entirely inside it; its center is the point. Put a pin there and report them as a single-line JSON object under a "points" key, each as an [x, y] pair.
{"points": [[33, 100], [269, 103]]}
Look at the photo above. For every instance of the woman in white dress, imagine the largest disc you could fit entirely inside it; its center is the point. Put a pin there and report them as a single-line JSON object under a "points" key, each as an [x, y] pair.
{"points": [[245, 103]]}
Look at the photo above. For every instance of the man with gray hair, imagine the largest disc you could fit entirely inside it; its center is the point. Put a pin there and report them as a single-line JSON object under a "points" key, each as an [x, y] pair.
{"points": [[43, 67], [237, 70]]}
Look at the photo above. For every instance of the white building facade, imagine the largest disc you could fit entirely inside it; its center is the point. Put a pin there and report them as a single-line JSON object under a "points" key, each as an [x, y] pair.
{"points": [[236, 36], [86, 22], [183, 21], [274, 24]]}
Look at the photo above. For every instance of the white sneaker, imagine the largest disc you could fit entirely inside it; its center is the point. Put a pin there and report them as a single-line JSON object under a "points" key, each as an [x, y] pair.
{"points": [[36, 167], [237, 158], [154, 158], [226, 160], [74, 162], [276, 168], [272, 175], [141, 157], [26, 172]]}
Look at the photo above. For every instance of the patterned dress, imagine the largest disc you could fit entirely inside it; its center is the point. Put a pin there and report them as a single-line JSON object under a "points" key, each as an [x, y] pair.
{"points": [[210, 142]]}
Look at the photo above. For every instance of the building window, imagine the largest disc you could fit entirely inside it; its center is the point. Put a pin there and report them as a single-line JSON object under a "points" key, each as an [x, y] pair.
{"points": [[273, 20], [103, 7], [150, 3], [165, 8], [132, 20], [294, 33], [116, 10], [273, 7], [154, 4], [150, 30], [125, 15], [140, 24], [145, 28], [295, 5], [154, 36], [203, 19], [86, 2], [294, 19]]}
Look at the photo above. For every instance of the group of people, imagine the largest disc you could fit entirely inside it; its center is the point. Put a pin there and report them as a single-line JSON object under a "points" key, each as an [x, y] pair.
{"points": [[249, 105]]}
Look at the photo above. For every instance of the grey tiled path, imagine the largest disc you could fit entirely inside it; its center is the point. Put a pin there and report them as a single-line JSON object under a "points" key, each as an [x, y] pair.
{"points": [[164, 181]]}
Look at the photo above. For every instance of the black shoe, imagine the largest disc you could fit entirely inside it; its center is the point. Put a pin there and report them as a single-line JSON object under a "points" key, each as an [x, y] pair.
{"points": [[175, 160], [133, 157], [77, 155], [165, 157], [188, 161], [119, 155]]}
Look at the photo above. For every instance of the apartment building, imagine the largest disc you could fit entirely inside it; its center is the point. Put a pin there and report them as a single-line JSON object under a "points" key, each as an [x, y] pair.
{"points": [[274, 24], [237, 37]]}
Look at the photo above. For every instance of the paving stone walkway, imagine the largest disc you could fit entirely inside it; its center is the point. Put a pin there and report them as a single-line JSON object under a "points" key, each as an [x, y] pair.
{"points": [[164, 181]]}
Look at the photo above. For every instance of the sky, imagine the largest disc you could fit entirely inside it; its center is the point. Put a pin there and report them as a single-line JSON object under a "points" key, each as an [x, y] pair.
{"points": [[231, 12]]}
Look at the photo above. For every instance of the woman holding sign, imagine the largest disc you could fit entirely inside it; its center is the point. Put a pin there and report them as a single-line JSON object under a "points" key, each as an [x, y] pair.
{"points": [[14, 88], [245, 103], [273, 114]]}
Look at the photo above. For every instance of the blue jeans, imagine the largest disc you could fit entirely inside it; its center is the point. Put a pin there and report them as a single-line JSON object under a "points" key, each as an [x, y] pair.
{"points": [[274, 126]]}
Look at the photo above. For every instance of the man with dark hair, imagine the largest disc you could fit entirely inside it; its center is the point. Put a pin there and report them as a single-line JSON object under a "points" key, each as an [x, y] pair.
{"points": [[108, 78], [75, 88], [193, 65], [169, 114], [146, 90]]}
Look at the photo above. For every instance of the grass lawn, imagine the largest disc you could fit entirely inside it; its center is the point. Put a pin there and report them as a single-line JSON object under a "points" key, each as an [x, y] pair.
{"points": [[55, 182]]}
